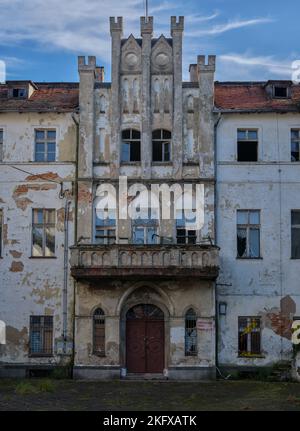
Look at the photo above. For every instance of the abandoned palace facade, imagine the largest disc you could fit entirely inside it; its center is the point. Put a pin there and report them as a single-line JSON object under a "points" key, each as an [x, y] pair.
{"points": [[112, 296]]}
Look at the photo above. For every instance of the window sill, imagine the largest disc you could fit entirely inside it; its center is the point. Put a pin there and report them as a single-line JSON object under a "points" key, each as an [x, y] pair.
{"points": [[40, 355], [251, 356], [295, 258], [162, 163], [101, 163], [130, 163], [249, 258], [100, 355], [42, 257]]}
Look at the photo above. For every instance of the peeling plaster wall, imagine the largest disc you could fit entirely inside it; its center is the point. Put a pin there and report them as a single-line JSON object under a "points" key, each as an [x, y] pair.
{"points": [[267, 287], [33, 286]]}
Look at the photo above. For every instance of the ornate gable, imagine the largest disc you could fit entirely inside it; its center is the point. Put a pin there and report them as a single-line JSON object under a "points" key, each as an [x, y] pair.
{"points": [[131, 56], [161, 56]]}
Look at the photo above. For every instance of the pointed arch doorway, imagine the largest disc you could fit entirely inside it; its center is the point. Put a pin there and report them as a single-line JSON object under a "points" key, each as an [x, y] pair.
{"points": [[145, 339]]}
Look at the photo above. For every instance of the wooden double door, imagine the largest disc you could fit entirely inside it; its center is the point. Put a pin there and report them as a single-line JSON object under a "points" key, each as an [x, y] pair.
{"points": [[145, 339]]}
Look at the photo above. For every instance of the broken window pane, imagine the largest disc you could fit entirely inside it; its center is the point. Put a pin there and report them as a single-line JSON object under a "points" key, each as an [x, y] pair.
{"points": [[280, 92], [131, 150], [247, 145], [161, 145], [248, 233], [241, 242]]}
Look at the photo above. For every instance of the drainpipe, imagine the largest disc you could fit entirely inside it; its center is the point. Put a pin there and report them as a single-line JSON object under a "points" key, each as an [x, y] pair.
{"points": [[216, 240], [75, 119], [65, 289]]}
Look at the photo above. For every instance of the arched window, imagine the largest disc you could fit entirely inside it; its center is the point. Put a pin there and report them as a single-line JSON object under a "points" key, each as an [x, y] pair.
{"points": [[190, 333], [131, 146], [99, 332], [161, 145]]}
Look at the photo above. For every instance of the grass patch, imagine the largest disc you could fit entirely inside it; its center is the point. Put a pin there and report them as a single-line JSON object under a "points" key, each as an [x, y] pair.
{"points": [[29, 388], [26, 388]]}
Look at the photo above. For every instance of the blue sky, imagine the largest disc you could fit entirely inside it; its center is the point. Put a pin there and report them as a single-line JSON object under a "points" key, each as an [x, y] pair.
{"points": [[253, 40]]}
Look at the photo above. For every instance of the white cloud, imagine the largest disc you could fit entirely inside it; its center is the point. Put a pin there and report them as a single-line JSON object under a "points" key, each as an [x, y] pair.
{"points": [[247, 67], [230, 25]]}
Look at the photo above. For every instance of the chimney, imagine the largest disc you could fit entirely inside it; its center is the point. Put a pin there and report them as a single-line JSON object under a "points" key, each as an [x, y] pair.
{"points": [[99, 74], [193, 69]]}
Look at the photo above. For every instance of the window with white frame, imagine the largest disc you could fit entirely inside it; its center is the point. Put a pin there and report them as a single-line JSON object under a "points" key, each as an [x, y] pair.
{"points": [[45, 145], [295, 145], [144, 232], [249, 336], [248, 234], [131, 146], [105, 226], [161, 145], [184, 233], [247, 145], [43, 232], [295, 224], [1, 145]]}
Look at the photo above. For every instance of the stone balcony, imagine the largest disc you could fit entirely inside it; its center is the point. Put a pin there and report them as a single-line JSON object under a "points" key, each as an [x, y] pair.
{"points": [[131, 260]]}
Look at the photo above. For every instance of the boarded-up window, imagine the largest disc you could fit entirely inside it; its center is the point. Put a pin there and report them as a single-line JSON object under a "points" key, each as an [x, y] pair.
{"points": [[295, 145], [99, 332], [1, 145], [247, 145], [45, 145], [43, 232], [248, 234], [190, 333], [295, 219], [41, 335], [249, 336]]}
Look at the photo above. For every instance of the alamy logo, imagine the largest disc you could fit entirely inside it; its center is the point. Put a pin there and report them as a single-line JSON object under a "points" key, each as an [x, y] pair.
{"points": [[184, 203], [296, 332], [2, 332]]}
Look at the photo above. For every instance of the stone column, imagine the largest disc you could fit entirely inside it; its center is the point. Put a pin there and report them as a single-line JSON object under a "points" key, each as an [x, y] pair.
{"points": [[116, 31], [206, 119], [146, 141], [86, 145], [176, 33]]}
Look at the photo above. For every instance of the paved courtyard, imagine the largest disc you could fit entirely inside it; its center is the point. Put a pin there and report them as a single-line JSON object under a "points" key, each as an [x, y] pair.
{"points": [[45, 394]]}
